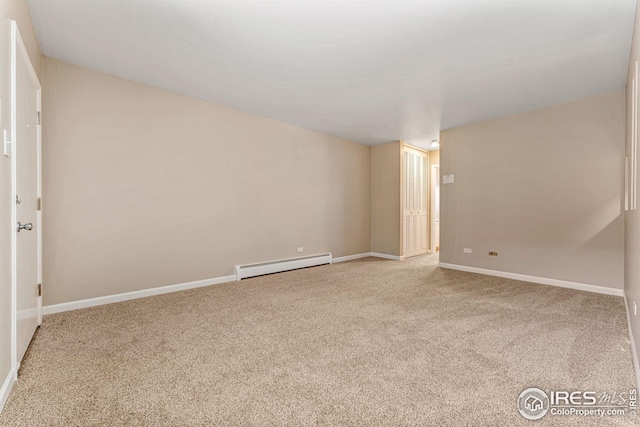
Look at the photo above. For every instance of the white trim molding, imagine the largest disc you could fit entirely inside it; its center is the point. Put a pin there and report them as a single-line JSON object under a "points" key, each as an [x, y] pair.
{"points": [[634, 353], [109, 299], [351, 257], [15, 35], [6, 388], [534, 279], [385, 256], [279, 266], [367, 254]]}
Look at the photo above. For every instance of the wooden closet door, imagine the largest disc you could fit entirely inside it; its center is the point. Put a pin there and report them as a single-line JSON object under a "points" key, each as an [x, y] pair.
{"points": [[415, 218]]}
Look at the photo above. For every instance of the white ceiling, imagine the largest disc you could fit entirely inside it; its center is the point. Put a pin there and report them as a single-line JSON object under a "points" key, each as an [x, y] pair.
{"points": [[370, 71]]}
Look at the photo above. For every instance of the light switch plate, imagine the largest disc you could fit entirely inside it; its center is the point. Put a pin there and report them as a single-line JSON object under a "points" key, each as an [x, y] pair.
{"points": [[447, 179], [7, 142]]}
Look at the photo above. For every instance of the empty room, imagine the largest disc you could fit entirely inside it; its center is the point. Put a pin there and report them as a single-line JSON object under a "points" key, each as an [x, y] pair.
{"points": [[314, 212]]}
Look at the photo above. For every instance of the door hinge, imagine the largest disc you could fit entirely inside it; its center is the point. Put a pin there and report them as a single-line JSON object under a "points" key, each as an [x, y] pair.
{"points": [[39, 289], [39, 203], [38, 121]]}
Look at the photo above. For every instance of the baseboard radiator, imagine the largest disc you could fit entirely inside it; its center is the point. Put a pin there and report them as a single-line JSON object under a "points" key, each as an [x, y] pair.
{"points": [[252, 270]]}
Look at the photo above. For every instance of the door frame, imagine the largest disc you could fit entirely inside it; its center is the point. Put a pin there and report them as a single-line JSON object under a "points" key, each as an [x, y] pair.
{"points": [[18, 48], [435, 179]]}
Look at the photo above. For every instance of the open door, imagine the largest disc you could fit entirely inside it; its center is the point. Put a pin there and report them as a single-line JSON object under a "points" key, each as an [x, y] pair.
{"points": [[26, 189], [415, 226]]}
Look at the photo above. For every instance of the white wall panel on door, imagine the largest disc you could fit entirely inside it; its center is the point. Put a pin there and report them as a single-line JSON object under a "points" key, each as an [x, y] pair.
{"points": [[415, 218]]}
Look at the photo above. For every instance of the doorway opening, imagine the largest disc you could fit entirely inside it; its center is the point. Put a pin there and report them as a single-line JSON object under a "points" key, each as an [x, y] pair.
{"points": [[420, 202], [415, 200]]}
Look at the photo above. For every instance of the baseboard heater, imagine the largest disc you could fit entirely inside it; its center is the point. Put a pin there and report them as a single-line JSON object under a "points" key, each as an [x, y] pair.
{"points": [[252, 270]]}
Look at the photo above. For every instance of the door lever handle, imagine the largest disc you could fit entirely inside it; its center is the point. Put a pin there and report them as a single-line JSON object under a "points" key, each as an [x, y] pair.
{"points": [[28, 226]]}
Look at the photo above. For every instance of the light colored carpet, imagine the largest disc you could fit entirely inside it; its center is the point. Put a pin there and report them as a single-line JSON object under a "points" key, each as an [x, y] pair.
{"points": [[363, 343]]}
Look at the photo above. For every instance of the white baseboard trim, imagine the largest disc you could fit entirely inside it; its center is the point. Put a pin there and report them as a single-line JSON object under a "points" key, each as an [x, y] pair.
{"points": [[109, 299], [367, 254], [279, 266], [351, 257], [6, 388], [385, 256], [535, 279], [92, 302], [634, 353]]}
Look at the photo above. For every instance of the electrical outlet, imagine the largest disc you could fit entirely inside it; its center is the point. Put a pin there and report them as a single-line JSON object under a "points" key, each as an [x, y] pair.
{"points": [[467, 250], [493, 253], [300, 249]]}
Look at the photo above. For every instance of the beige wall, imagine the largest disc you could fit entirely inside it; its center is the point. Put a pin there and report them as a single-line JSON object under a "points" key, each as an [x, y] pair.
{"points": [[543, 189], [434, 157], [632, 218], [16, 10], [386, 222], [145, 188]]}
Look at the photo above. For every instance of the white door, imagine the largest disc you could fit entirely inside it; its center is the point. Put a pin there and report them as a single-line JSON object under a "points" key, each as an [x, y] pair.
{"points": [[415, 225], [26, 155]]}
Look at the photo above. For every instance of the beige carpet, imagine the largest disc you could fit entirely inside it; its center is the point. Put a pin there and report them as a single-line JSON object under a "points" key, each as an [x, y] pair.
{"points": [[363, 343]]}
